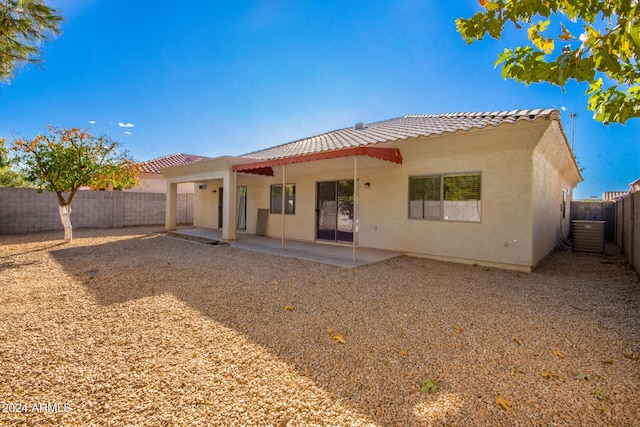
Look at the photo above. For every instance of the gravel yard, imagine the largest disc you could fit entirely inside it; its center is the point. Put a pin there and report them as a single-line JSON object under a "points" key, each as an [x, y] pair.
{"points": [[131, 327]]}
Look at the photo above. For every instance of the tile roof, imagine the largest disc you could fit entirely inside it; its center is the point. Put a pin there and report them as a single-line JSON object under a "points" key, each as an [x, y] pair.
{"points": [[409, 126], [614, 195], [177, 159]]}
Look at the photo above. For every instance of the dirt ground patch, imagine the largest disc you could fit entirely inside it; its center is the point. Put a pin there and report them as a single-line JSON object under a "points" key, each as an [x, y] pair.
{"points": [[130, 327]]}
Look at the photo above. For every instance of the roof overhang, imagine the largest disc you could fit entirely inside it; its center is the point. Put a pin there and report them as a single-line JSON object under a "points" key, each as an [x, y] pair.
{"points": [[265, 167]]}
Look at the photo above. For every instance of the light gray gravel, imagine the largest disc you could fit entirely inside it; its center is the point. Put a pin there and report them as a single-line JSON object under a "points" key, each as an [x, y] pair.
{"points": [[172, 332]]}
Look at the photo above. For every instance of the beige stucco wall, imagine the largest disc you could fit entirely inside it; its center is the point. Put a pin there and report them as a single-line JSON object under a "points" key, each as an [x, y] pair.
{"points": [[502, 235], [521, 194], [301, 225], [215, 172], [504, 157], [554, 170], [156, 183], [258, 198], [205, 202]]}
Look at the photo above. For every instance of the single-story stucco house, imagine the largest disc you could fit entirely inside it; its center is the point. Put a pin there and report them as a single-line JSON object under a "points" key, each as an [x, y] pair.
{"points": [[488, 188]]}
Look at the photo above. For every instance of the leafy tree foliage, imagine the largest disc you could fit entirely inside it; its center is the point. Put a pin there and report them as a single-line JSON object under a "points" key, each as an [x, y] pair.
{"points": [[24, 26], [8, 176], [64, 160], [598, 43]]}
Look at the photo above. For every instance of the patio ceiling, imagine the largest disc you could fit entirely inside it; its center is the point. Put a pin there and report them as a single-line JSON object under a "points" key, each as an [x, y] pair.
{"points": [[265, 167]]}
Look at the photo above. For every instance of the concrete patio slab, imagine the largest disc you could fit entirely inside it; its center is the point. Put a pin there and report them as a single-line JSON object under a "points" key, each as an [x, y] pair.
{"points": [[339, 255]]}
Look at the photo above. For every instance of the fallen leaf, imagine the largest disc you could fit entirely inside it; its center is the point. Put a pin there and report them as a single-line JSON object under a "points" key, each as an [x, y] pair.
{"points": [[458, 329], [549, 375], [502, 401], [608, 362], [275, 282], [601, 395], [631, 356], [557, 353], [517, 340], [403, 353], [515, 369], [605, 409], [288, 308], [428, 386], [330, 331], [581, 377], [339, 338]]}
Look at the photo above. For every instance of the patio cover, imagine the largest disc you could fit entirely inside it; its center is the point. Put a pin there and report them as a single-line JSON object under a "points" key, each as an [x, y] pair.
{"points": [[264, 167]]}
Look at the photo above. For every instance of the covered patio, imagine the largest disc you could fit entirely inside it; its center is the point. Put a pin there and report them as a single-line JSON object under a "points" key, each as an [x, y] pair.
{"points": [[338, 255]]}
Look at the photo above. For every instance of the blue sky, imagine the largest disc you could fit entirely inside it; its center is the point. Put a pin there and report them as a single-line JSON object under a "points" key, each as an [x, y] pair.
{"points": [[225, 78]]}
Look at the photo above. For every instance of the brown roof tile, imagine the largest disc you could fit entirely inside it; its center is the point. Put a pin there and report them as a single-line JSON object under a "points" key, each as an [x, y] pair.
{"points": [[177, 159], [409, 126]]}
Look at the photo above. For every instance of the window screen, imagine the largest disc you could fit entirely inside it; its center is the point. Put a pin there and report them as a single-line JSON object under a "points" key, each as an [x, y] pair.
{"points": [[448, 197]]}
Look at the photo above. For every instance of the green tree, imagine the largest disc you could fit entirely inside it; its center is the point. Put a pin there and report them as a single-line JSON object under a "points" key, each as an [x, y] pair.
{"points": [[8, 176], [598, 43], [24, 26], [64, 160]]}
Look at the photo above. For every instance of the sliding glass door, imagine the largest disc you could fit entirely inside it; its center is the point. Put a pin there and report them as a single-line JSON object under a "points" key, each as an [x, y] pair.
{"points": [[334, 210]]}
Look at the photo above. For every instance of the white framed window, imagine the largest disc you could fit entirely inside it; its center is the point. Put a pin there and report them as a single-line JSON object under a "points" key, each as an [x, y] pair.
{"points": [[446, 197], [289, 199]]}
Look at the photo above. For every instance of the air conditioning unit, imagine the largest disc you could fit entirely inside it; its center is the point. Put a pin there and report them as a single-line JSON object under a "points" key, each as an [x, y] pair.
{"points": [[587, 236]]}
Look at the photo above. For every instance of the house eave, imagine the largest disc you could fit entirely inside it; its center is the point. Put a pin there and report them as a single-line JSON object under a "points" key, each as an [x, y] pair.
{"points": [[265, 167]]}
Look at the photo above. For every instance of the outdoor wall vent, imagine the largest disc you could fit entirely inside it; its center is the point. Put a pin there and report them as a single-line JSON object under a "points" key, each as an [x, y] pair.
{"points": [[359, 126], [202, 187]]}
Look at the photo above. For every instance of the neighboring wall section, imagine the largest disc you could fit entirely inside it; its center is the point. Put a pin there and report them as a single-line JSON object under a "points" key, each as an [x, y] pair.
{"points": [[24, 210], [156, 183], [622, 222], [597, 211], [628, 233]]}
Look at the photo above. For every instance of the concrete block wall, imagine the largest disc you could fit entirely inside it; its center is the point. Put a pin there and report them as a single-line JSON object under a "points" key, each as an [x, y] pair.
{"points": [[596, 211], [144, 208], [184, 209], [619, 223], [24, 210], [622, 222], [627, 218], [627, 231], [91, 209], [635, 197], [587, 211]]}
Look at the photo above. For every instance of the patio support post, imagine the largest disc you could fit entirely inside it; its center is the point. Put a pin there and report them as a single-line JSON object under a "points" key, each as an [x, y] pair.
{"points": [[355, 205], [229, 207], [170, 211], [283, 204]]}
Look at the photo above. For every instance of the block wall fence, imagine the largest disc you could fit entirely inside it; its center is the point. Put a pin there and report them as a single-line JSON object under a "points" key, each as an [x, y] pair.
{"points": [[24, 210], [622, 223]]}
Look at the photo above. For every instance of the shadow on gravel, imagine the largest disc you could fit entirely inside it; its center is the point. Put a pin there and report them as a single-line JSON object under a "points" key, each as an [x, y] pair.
{"points": [[9, 260], [387, 313], [44, 248]]}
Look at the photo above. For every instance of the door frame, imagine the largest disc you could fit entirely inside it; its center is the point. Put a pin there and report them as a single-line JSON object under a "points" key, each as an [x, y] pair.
{"points": [[220, 206], [338, 235]]}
